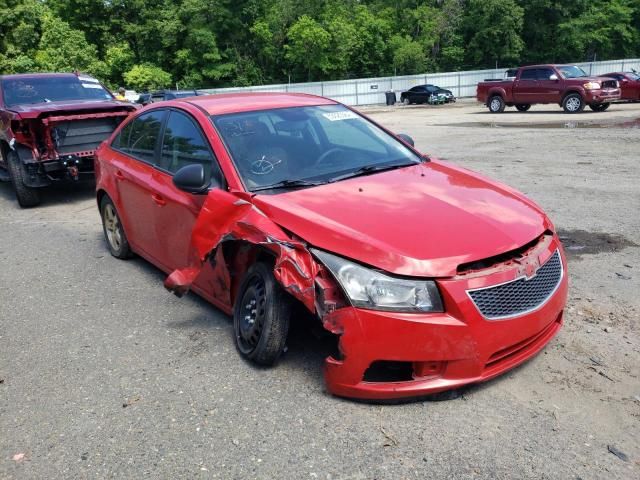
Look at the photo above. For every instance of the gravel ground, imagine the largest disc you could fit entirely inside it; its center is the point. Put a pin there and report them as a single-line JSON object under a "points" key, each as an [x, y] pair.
{"points": [[104, 374]]}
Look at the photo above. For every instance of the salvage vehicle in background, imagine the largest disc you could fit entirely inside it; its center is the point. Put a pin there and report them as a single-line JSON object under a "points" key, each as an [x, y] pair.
{"points": [[430, 276], [567, 85], [423, 94], [629, 84], [50, 126]]}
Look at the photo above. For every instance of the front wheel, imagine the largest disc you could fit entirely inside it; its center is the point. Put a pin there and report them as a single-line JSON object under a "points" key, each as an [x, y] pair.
{"points": [[406, 101], [27, 196], [599, 107], [573, 103], [496, 104], [261, 316], [523, 107]]}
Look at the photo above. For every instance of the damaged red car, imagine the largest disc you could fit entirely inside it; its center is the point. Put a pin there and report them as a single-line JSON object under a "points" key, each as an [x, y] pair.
{"points": [[50, 127], [431, 276]]}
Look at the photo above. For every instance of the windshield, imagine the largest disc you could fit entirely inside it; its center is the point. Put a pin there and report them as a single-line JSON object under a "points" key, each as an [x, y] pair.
{"points": [[572, 72], [307, 144], [29, 90], [633, 76]]}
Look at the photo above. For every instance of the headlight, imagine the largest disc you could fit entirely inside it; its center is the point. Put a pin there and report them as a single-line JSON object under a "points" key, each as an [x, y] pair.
{"points": [[368, 288], [592, 86]]}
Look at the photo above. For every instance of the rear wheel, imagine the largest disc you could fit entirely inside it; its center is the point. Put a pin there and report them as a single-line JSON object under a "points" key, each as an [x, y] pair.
{"points": [[27, 196], [261, 316], [496, 104], [599, 107], [573, 103], [113, 230], [523, 107]]}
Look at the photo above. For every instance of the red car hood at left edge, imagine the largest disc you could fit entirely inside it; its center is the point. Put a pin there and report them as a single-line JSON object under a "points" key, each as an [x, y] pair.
{"points": [[421, 220]]}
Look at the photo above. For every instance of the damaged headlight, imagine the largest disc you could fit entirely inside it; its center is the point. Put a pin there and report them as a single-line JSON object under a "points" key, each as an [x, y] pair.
{"points": [[369, 288]]}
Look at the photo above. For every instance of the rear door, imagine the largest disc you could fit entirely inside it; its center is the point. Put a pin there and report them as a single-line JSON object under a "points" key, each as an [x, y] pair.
{"points": [[549, 91], [134, 167], [525, 88], [183, 143]]}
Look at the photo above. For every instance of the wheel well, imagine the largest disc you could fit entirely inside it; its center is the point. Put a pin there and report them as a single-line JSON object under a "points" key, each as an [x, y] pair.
{"points": [[100, 194], [4, 148], [569, 93]]}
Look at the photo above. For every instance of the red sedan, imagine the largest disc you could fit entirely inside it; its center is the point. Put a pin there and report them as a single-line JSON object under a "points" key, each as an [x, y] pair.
{"points": [[629, 84], [431, 276]]}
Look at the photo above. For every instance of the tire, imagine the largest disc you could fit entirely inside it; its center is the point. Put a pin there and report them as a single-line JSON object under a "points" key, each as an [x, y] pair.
{"points": [[496, 104], [523, 107], [406, 101], [27, 196], [113, 230], [261, 316], [573, 103], [599, 107]]}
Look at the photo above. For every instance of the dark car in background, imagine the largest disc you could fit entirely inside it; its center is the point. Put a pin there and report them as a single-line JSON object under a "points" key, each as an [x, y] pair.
{"points": [[163, 95], [629, 84], [422, 93], [50, 127]]}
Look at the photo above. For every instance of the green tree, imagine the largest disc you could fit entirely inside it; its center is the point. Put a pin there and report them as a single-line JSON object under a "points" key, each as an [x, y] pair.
{"points": [[492, 31], [147, 77], [308, 45]]}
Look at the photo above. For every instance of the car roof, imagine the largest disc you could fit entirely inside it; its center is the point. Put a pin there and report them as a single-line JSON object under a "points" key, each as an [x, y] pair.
{"points": [[246, 102]]}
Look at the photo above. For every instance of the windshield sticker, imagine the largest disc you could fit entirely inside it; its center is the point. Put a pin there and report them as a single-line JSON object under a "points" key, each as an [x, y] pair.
{"points": [[92, 85], [86, 79], [336, 116]]}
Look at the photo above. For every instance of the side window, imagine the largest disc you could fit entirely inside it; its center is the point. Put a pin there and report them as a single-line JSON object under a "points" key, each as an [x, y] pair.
{"points": [[184, 144], [122, 139], [143, 136], [544, 73], [530, 74]]}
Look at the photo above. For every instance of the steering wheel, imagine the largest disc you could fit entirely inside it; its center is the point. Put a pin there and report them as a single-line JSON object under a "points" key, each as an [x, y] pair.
{"points": [[323, 158]]}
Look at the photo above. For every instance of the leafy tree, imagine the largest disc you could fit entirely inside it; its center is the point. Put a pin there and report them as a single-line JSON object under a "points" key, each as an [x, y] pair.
{"points": [[308, 46], [147, 77], [492, 31]]}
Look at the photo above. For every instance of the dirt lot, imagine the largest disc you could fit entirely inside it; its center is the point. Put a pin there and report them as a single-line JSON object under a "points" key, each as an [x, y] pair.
{"points": [[103, 374]]}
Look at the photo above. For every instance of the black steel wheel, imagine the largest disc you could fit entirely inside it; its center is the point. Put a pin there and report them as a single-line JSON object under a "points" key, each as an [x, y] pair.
{"points": [[599, 107], [523, 107], [261, 316]]}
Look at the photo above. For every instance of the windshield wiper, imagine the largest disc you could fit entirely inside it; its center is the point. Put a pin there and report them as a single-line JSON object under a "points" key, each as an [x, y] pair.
{"points": [[289, 184], [371, 169]]}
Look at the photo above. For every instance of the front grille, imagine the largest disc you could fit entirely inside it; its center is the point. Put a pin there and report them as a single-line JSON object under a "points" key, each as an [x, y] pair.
{"points": [[609, 84], [521, 295]]}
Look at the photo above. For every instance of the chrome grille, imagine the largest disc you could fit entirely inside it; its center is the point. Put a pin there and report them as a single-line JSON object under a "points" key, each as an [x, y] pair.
{"points": [[521, 295]]}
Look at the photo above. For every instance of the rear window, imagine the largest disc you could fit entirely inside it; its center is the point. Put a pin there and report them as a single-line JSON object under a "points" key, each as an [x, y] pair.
{"points": [[139, 137], [32, 90]]}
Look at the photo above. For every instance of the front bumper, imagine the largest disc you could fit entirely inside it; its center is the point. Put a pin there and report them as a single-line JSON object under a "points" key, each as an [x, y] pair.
{"points": [[605, 95], [443, 350]]}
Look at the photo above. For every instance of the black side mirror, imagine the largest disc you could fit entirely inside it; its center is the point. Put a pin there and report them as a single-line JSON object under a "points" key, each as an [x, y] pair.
{"points": [[406, 139], [191, 179]]}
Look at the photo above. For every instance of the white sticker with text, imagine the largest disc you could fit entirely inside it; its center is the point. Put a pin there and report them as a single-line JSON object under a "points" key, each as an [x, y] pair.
{"points": [[336, 116]]}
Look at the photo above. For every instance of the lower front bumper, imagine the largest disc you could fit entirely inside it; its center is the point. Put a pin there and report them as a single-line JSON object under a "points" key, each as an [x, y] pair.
{"points": [[602, 96], [441, 351]]}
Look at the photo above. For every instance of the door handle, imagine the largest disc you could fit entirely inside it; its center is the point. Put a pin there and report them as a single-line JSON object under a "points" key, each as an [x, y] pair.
{"points": [[158, 199], [119, 175]]}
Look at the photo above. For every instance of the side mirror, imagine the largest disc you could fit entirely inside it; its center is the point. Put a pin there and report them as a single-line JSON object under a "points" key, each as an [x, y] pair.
{"points": [[553, 76], [191, 179], [406, 139]]}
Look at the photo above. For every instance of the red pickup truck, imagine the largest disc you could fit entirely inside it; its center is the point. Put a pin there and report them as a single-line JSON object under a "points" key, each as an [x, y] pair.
{"points": [[567, 85], [50, 127]]}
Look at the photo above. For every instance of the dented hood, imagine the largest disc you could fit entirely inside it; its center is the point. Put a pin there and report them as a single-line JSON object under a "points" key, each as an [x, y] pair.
{"points": [[422, 220], [72, 106]]}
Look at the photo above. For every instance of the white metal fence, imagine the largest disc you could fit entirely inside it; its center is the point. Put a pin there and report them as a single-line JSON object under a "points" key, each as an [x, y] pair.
{"points": [[370, 91]]}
